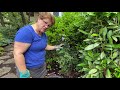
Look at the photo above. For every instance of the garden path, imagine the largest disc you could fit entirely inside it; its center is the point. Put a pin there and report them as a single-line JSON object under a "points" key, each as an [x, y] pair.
{"points": [[7, 65]]}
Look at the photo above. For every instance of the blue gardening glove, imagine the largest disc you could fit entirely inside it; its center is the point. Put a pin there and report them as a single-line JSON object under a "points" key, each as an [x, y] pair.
{"points": [[25, 74], [58, 47]]}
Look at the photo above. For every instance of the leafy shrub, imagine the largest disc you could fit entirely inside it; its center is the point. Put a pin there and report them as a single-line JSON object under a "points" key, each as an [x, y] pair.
{"points": [[101, 51], [66, 30]]}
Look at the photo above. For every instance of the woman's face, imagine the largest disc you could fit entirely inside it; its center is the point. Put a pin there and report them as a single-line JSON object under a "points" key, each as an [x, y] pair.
{"points": [[43, 24]]}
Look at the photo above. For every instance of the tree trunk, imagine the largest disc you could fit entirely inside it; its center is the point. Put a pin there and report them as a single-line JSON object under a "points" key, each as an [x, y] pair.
{"points": [[2, 20], [29, 17], [23, 18]]}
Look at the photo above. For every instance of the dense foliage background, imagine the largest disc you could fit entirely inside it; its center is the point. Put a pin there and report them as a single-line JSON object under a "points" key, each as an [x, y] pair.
{"points": [[91, 42], [10, 22]]}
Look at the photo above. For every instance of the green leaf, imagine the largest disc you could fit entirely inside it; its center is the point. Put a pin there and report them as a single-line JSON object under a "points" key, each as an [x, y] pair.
{"points": [[116, 45], [108, 74], [92, 71], [108, 61], [104, 33], [88, 76], [91, 13], [90, 53], [86, 40], [109, 45], [114, 38], [117, 61], [109, 35], [94, 34], [102, 55], [100, 39], [90, 64], [92, 46], [117, 36], [115, 54], [83, 31], [101, 31], [109, 49], [99, 67], [110, 23], [96, 62], [95, 75], [116, 31], [113, 27], [81, 64], [85, 69], [88, 58], [104, 61]]}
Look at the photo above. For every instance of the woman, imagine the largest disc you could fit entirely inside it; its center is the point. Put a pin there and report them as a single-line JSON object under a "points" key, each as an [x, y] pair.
{"points": [[30, 44]]}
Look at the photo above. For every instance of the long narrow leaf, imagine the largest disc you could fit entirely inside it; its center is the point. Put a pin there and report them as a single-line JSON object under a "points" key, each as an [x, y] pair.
{"points": [[83, 31], [92, 46], [104, 33], [109, 35]]}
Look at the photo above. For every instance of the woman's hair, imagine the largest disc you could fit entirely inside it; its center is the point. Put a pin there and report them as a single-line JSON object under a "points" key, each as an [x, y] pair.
{"points": [[46, 15]]}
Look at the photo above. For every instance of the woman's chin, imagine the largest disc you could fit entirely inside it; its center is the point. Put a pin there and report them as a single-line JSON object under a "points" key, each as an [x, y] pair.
{"points": [[43, 31]]}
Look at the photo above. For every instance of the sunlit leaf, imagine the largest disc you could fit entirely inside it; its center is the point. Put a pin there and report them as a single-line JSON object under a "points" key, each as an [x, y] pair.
{"points": [[115, 54], [88, 76], [108, 61], [92, 46], [99, 67], [92, 71], [96, 62], [102, 55], [87, 40], [94, 34], [114, 38]]}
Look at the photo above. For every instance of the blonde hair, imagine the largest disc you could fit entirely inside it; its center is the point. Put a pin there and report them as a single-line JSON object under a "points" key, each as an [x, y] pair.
{"points": [[46, 15]]}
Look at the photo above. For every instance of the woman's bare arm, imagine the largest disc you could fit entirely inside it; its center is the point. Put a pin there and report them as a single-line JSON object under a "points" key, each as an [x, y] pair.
{"points": [[50, 47], [19, 50]]}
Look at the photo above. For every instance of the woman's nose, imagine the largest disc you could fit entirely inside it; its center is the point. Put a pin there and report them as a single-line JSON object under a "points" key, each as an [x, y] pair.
{"points": [[46, 26]]}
